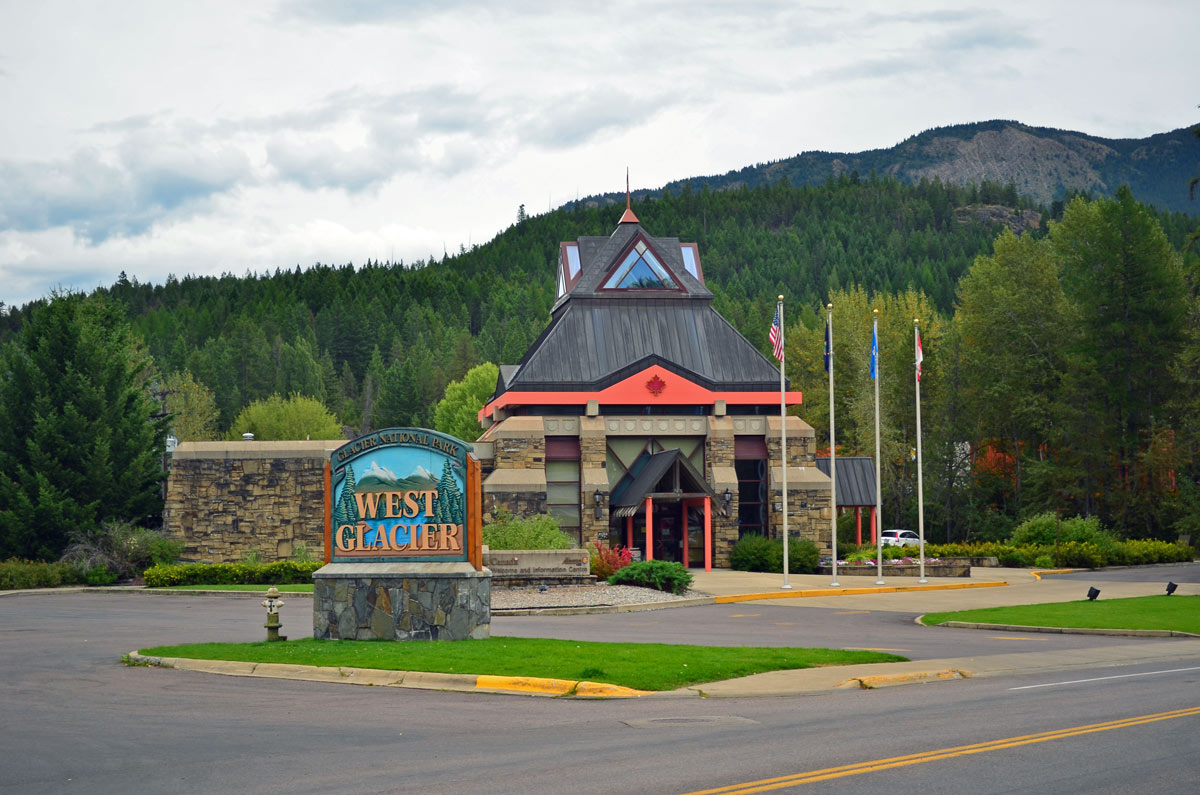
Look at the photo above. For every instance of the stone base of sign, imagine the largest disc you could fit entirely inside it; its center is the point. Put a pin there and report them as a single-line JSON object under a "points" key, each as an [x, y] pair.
{"points": [[401, 601]]}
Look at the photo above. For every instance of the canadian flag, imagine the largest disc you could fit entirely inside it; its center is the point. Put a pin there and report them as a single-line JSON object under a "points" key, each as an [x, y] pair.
{"points": [[920, 355]]}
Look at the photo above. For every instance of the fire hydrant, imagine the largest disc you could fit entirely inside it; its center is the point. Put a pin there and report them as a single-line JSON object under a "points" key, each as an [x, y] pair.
{"points": [[273, 603]]}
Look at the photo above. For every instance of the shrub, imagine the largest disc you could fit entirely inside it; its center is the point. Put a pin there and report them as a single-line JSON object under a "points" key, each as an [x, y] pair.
{"points": [[99, 575], [607, 561], [121, 548], [754, 552], [661, 575], [1012, 558], [894, 553], [1045, 529], [280, 572], [803, 556], [21, 574], [1043, 561], [538, 532]]}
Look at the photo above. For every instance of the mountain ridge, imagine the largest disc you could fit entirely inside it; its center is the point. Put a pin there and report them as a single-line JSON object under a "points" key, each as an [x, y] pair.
{"points": [[1045, 164]]}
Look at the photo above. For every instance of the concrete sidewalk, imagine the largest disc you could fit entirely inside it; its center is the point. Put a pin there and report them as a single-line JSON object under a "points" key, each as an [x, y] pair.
{"points": [[1008, 587]]}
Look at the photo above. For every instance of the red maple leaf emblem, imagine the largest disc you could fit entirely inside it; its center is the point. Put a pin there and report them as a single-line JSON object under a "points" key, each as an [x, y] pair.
{"points": [[656, 385]]}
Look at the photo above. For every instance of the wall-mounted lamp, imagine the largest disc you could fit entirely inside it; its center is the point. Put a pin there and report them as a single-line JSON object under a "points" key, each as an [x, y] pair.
{"points": [[599, 497], [728, 495], [1093, 592], [1171, 588]]}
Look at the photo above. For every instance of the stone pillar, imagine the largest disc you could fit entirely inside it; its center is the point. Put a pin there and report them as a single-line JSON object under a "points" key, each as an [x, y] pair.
{"points": [[517, 482], [719, 471], [593, 477]]}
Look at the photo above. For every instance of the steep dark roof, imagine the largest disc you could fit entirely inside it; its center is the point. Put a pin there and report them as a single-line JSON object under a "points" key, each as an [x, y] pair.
{"points": [[855, 480], [654, 478], [599, 337]]}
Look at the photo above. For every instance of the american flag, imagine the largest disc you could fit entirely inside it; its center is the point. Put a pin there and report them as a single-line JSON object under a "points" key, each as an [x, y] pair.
{"points": [[776, 336]]}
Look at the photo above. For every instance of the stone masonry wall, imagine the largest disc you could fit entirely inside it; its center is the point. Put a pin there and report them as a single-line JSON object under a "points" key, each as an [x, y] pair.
{"points": [[227, 499]]}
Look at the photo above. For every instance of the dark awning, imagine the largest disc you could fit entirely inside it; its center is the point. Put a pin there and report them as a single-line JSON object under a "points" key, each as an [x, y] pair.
{"points": [[667, 476], [855, 480]]}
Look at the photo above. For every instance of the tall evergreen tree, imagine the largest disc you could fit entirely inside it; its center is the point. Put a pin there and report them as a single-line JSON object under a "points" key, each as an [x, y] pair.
{"points": [[81, 438]]}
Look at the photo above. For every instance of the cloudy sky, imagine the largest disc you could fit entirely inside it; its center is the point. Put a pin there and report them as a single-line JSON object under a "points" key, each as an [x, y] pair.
{"points": [[225, 136]]}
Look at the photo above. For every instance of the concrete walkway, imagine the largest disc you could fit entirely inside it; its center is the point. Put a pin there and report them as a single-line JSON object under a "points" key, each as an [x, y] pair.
{"points": [[986, 587]]}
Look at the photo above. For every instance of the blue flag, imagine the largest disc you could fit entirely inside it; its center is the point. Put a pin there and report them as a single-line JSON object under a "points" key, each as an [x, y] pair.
{"points": [[828, 348], [874, 350]]}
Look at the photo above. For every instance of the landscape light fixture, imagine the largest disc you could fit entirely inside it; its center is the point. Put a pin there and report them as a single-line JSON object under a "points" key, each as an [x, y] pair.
{"points": [[1171, 588], [1093, 592]]}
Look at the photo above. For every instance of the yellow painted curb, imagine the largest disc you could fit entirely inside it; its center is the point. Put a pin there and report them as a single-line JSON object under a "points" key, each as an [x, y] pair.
{"points": [[1037, 575], [888, 680], [749, 597], [604, 690], [525, 684], [555, 687]]}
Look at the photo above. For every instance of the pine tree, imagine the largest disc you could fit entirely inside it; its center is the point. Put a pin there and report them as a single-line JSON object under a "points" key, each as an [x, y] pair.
{"points": [[81, 438]]}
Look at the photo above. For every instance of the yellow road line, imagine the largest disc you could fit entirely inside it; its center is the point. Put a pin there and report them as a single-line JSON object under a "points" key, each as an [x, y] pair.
{"points": [[1017, 637], [748, 597], [745, 615], [850, 612], [825, 774]]}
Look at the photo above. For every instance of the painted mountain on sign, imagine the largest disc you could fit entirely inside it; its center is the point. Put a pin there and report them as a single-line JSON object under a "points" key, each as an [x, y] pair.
{"points": [[380, 478]]}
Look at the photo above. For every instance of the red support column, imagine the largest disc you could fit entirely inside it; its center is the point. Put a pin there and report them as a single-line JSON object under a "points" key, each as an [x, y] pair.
{"points": [[858, 526], [708, 533], [874, 526], [629, 532], [649, 529], [683, 506]]}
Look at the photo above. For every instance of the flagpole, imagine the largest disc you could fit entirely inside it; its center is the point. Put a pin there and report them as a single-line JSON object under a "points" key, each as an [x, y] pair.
{"points": [[783, 446], [878, 482], [832, 452], [918, 357]]}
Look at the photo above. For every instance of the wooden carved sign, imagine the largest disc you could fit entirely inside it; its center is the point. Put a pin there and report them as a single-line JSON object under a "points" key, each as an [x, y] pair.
{"points": [[402, 494]]}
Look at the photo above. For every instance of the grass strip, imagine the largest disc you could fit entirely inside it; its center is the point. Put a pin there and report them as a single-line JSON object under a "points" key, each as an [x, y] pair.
{"points": [[293, 588], [643, 666], [1179, 613]]}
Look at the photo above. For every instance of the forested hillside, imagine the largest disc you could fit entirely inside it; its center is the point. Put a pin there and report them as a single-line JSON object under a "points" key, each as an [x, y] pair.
{"points": [[1060, 374], [379, 342]]}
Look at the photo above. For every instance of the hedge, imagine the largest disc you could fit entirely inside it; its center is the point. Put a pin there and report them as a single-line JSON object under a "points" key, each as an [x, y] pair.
{"points": [[1071, 554], [754, 552], [16, 575], [281, 572], [662, 575]]}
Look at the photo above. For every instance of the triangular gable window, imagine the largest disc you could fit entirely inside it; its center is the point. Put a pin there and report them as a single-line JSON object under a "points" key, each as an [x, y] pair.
{"points": [[640, 270]]}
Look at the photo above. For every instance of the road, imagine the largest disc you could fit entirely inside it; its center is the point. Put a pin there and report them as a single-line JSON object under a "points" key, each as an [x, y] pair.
{"points": [[76, 719]]}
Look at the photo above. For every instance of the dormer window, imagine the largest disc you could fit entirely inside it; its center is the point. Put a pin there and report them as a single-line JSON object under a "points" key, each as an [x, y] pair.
{"points": [[640, 270]]}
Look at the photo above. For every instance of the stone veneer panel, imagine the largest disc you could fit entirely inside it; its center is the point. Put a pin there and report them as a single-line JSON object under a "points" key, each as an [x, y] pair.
{"points": [[379, 602], [227, 499]]}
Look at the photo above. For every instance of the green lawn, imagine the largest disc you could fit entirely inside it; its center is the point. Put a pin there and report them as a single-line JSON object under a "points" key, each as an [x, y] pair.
{"points": [[295, 588], [1179, 613], [644, 666]]}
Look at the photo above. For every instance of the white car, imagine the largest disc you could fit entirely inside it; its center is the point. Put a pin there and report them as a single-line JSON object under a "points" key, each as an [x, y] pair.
{"points": [[900, 538]]}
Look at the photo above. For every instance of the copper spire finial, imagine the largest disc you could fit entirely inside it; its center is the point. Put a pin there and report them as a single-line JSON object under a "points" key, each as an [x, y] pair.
{"points": [[628, 217]]}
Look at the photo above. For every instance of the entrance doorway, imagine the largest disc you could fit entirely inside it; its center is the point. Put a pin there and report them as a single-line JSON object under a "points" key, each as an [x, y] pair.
{"points": [[668, 528]]}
